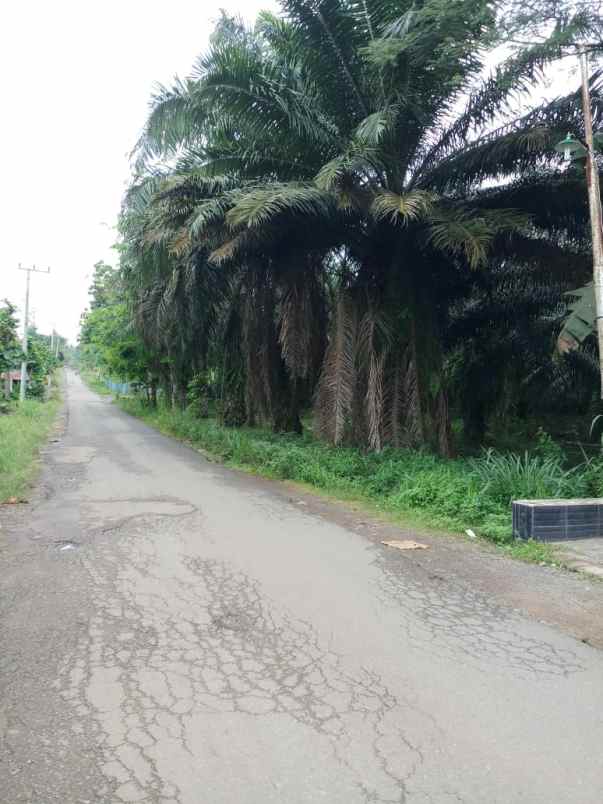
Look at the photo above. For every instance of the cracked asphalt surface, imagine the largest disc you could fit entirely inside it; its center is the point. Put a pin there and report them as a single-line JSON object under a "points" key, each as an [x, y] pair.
{"points": [[176, 632]]}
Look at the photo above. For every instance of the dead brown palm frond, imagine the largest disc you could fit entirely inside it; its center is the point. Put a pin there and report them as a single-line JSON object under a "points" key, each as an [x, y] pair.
{"points": [[254, 349], [374, 341], [296, 320], [181, 242], [412, 422], [403, 426], [261, 350], [302, 317], [392, 404], [442, 418], [374, 401], [165, 308], [228, 249], [335, 392], [393, 400]]}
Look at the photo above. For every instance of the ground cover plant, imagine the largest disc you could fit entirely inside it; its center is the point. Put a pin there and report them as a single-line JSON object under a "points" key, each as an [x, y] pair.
{"points": [[410, 485], [349, 235], [24, 428], [359, 208]]}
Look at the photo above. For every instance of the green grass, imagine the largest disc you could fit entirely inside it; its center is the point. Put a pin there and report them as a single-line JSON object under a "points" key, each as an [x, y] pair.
{"points": [[23, 430], [94, 382], [404, 485]]}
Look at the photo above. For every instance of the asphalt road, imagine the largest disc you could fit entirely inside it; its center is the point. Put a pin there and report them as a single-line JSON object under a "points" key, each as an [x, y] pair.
{"points": [[175, 632]]}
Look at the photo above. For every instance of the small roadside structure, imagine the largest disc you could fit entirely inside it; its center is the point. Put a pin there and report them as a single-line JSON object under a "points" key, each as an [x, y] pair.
{"points": [[10, 381], [557, 520]]}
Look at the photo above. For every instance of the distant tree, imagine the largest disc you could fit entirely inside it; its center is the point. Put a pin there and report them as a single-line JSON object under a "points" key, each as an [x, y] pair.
{"points": [[10, 349], [108, 342], [526, 22], [41, 362], [104, 287]]}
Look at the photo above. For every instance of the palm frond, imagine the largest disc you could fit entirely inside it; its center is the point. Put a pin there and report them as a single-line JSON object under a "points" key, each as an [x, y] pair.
{"points": [[258, 207], [336, 386], [374, 341], [580, 321], [470, 233], [409, 207], [373, 128]]}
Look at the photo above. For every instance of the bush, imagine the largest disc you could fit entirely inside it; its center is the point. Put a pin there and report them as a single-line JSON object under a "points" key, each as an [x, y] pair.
{"points": [[453, 494], [22, 433], [547, 447], [504, 478], [592, 476], [198, 395]]}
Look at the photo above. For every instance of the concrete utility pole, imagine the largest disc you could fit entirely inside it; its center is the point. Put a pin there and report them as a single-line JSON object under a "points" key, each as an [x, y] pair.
{"points": [[31, 270], [594, 202]]}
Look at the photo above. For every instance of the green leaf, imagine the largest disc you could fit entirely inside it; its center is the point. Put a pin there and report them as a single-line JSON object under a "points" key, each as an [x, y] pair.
{"points": [[405, 208], [580, 323]]}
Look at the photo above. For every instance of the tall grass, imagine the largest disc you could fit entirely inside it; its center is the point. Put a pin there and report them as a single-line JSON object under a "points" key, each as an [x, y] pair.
{"points": [[449, 494], [22, 432], [94, 382], [509, 477]]}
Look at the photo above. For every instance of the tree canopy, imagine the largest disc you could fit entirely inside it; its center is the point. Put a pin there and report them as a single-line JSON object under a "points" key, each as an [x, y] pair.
{"points": [[10, 348], [317, 207]]}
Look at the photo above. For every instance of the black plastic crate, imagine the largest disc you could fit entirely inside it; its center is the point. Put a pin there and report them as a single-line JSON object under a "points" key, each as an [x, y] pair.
{"points": [[555, 520]]}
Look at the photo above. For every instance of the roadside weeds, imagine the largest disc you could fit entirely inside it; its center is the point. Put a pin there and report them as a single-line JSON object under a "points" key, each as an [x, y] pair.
{"points": [[23, 433], [264, 454]]}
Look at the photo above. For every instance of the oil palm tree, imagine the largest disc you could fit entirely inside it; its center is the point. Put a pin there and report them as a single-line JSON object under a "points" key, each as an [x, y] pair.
{"points": [[372, 127]]}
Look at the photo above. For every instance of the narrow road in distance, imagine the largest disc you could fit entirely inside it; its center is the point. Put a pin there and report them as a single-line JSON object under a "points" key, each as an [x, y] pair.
{"points": [[176, 632]]}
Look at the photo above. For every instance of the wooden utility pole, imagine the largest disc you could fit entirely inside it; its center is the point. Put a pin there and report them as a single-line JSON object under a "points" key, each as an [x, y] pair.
{"points": [[33, 269], [594, 203]]}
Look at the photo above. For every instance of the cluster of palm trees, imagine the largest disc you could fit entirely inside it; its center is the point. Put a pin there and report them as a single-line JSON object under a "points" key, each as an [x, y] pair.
{"points": [[333, 194]]}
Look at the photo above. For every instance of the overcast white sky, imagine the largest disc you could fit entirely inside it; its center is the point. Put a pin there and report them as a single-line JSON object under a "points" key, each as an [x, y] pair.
{"points": [[76, 78]]}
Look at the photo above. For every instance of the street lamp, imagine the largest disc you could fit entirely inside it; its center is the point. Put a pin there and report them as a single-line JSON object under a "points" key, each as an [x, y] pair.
{"points": [[573, 149]]}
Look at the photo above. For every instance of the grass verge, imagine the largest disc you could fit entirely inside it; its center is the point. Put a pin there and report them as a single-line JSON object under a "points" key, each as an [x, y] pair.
{"points": [[94, 382], [23, 430], [405, 486]]}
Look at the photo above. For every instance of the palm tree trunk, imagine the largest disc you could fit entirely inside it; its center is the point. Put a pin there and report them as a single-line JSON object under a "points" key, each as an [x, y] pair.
{"points": [[181, 394], [173, 388], [418, 399], [432, 397], [153, 392]]}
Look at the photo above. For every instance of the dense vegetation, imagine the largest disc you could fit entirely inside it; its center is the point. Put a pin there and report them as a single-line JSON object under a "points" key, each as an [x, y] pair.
{"points": [[341, 208], [344, 224], [409, 485], [42, 356], [23, 430], [23, 426]]}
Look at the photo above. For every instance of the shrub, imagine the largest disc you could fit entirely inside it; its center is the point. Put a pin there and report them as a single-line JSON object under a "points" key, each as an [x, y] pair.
{"points": [[453, 494], [22, 432], [504, 478], [547, 447]]}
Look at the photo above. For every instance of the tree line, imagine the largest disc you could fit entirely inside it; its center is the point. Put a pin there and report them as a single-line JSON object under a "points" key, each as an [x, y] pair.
{"points": [[343, 209], [42, 359]]}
